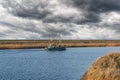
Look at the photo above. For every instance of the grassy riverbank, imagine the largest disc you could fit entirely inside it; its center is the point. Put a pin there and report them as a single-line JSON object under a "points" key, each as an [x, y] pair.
{"points": [[104, 68], [25, 44]]}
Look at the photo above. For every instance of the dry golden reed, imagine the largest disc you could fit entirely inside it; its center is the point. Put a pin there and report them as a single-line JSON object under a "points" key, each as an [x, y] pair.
{"points": [[105, 68]]}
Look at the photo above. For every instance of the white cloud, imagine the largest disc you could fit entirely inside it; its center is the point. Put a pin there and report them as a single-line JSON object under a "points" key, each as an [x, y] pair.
{"points": [[87, 32], [62, 19], [110, 18]]}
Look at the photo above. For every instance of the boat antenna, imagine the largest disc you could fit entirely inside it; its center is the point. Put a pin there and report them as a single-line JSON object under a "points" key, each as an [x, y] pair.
{"points": [[60, 41], [50, 40]]}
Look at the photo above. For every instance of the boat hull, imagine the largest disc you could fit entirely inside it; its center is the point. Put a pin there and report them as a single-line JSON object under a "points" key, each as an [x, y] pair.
{"points": [[56, 49]]}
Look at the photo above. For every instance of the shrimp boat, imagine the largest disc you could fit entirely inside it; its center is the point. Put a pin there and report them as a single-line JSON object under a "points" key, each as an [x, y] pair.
{"points": [[52, 47], [56, 47]]}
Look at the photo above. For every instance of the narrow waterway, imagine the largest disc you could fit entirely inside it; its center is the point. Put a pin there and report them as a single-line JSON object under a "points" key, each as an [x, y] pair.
{"points": [[35, 64]]}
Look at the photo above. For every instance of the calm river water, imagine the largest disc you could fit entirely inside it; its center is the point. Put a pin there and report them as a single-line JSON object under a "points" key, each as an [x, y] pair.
{"points": [[43, 65]]}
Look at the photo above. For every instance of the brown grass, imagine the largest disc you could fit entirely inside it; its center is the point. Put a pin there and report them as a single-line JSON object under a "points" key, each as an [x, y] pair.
{"points": [[21, 44], [104, 68]]}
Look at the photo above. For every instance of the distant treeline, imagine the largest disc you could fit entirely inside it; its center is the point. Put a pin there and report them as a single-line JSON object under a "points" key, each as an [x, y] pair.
{"points": [[23, 44]]}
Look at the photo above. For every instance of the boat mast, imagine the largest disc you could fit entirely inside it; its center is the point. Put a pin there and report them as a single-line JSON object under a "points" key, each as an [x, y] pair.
{"points": [[60, 41]]}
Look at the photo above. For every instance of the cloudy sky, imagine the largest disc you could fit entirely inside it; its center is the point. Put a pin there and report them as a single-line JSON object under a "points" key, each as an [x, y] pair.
{"points": [[74, 19]]}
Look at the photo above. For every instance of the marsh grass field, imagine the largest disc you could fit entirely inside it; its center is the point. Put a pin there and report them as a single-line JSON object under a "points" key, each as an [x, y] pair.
{"points": [[33, 44]]}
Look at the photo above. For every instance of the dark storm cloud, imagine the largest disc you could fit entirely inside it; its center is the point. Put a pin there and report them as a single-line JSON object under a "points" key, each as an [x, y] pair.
{"points": [[28, 8], [47, 11], [32, 13], [42, 9], [98, 5], [95, 7], [54, 29]]}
